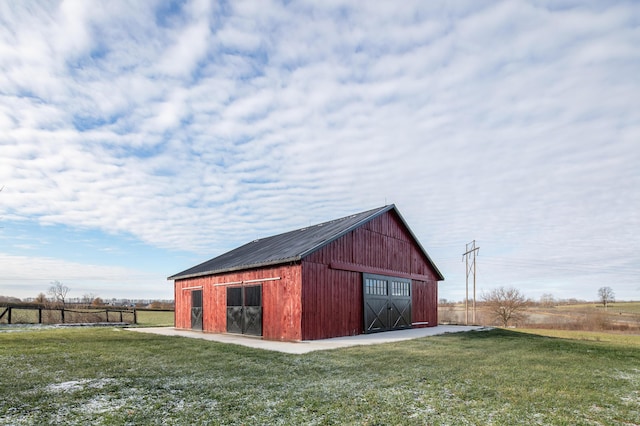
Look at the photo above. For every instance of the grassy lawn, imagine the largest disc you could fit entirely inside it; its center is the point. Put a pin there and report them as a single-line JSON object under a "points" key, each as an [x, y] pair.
{"points": [[628, 340], [110, 376], [155, 318]]}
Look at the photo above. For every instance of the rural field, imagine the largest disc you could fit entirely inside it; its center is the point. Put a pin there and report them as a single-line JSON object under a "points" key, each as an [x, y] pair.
{"points": [[618, 317], [107, 376]]}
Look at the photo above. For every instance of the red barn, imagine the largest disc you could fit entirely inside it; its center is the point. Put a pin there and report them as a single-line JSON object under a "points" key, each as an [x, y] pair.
{"points": [[359, 274]]}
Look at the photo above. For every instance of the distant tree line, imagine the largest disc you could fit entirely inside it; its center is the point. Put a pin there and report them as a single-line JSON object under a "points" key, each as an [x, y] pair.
{"points": [[57, 297], [605, 296], [508, 305]]}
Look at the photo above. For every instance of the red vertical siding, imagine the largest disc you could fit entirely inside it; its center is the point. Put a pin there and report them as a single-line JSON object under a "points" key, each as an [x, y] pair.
{"points": [[423, 301], [281, 301], [282, 308], [332, 301], [182, 300]]}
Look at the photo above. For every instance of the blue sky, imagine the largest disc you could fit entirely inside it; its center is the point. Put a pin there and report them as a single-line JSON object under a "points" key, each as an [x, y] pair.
{"points": [[138, 139]]}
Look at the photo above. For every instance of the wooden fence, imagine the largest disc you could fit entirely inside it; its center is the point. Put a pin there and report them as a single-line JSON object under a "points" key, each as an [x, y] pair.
{"points": [[17, 314]]}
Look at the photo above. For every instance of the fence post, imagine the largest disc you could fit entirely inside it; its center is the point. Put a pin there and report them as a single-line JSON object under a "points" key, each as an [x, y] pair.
{"points": [[120, 316], [9, 315], [62, 314], [39, 315], [107, 312], [135, 317]]}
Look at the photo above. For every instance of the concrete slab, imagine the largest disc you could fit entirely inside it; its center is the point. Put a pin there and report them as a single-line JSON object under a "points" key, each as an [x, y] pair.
{"points": [[312, 345]]}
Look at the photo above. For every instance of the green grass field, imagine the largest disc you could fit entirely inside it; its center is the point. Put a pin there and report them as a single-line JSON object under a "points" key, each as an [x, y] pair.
{"points": [[155, 318], [111, 376]]}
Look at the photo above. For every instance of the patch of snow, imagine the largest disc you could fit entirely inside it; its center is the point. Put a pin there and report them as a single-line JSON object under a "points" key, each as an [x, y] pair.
{"points": [[76, 385], [102, 404], [69, 386]]}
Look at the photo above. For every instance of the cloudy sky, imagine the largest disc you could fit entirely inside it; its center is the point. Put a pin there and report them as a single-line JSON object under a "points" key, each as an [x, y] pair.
{"points": [[138, 139]]}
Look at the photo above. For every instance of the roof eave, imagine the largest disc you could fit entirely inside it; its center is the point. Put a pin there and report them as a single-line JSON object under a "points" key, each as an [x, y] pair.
{"points": [[234, 269]]}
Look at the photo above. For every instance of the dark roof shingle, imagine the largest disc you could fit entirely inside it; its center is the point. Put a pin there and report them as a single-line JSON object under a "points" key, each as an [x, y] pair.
{"points": [[287, 247]]}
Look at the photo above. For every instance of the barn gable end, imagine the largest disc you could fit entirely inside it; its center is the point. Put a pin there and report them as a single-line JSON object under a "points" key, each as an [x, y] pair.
{"points": [[332, 294], [310, 282]]}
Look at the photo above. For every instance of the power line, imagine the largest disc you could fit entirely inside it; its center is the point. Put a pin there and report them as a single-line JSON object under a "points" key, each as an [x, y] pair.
{"points": [[471, 249]]}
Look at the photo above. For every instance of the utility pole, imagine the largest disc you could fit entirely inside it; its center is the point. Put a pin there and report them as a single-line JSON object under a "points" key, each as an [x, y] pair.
{"points": [[470, 268]]}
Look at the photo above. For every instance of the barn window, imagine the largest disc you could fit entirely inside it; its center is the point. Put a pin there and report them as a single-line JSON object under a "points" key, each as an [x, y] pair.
{"points": [[234, 296], [400, 288], [253, 295], [376, 287]]}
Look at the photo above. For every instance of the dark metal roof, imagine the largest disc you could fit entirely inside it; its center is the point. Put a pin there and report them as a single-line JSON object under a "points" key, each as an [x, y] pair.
{"points": [[288, 247]]}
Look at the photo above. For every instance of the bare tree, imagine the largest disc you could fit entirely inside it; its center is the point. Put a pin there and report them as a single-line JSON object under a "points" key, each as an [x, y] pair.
{"points": [[606, 296], [58, 292], [88, 298], [505, 304], [41, 298], [547, 300]]}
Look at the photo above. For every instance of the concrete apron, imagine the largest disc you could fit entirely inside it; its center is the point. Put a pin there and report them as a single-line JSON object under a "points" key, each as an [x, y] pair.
{"points": [[307, 346]]}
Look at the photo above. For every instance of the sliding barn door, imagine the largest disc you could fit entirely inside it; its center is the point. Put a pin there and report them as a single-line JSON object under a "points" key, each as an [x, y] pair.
{"points": [[196, 310], [387, 303], [244, 310]]}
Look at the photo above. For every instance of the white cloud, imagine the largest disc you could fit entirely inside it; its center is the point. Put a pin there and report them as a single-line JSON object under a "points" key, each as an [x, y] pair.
{"points": [[189, 48], [81, 278], [201, 128]]}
